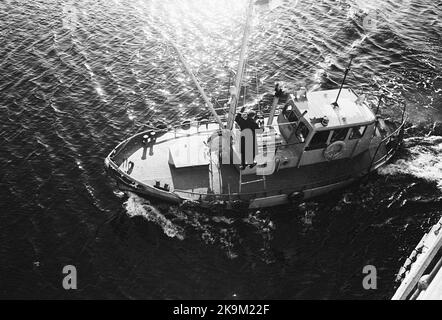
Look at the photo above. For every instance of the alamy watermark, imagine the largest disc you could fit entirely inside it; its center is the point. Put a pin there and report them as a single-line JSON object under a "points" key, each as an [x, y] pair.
{"points": [[370, 281], [235, 147], [70, 277], [71, 15]]}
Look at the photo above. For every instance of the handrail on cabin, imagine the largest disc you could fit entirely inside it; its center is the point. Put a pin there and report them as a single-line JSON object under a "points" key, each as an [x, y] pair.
{"points": [[396, 132]]}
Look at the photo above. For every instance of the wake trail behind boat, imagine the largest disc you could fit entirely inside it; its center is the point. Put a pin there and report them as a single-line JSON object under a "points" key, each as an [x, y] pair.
{"points": [[136, 206], [425, 160]]}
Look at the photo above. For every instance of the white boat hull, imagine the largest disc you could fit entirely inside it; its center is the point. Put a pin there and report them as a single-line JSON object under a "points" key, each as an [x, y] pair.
{"points": [[148, 171]]}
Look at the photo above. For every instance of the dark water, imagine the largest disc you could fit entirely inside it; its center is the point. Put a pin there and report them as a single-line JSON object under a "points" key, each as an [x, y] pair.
{"points": [[77, 77]]}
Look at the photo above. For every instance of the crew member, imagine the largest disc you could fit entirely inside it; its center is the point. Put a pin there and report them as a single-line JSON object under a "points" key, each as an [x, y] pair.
{"points": [[244, 124]]}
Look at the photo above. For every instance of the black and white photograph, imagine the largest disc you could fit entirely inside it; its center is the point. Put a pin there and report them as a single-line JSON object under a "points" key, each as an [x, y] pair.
{"points": [[220, 155]]}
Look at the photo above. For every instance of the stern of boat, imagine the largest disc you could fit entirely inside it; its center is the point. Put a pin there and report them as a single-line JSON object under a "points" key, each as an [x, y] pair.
{"points": [[387, 139]]}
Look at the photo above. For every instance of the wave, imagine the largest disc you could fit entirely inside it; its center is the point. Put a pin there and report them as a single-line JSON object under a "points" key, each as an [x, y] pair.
{"points": [[424, 161], [137, 206]]}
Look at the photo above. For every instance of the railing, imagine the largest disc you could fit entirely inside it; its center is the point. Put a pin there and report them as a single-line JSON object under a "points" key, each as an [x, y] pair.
{"points": [[209, 120], [418, 263], [397, 134], [176, 129], [265, 193], [206, 122]]}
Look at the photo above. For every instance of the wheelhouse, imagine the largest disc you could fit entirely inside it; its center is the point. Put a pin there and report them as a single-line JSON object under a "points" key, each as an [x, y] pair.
{"points": [[318, 130]]}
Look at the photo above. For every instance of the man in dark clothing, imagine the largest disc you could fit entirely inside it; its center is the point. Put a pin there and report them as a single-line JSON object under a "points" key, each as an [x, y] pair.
{"points": [[247, 124]]}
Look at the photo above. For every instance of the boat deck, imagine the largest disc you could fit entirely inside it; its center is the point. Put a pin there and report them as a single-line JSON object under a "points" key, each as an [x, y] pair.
{"points": [[213, 178]]}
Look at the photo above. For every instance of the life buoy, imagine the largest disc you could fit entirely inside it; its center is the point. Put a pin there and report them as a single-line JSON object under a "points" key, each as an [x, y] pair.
{"points": [[186, 124], [335, 150], [161, 126]]}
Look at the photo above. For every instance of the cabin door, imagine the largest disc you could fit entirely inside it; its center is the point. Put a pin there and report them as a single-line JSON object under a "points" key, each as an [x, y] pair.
{"points": [[360, 137]]}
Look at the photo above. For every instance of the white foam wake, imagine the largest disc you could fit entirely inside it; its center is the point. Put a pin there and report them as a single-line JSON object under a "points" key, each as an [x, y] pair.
{"points": [[425, 160], [137, 206]]}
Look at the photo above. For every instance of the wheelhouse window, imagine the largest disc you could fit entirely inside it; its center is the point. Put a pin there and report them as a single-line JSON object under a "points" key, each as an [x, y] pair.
{"points": [[289, 112], [357, 132], [319, 140], [302, 132], [339, 135]]}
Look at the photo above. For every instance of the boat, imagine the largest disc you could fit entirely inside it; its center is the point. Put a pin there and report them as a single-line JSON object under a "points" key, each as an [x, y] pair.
{"points": [[421, 276], [309, 144]]}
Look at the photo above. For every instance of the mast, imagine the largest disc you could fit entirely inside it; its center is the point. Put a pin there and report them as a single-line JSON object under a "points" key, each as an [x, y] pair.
{"points": [[200, 89], [236, 92], [194, 79]]}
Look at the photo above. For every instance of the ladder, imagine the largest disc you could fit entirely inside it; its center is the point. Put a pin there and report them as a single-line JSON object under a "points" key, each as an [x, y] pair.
{"points": [[241, 183]]}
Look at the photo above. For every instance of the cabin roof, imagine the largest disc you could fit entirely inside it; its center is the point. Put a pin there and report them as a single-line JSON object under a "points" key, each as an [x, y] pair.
{"points": [[349, 112]]}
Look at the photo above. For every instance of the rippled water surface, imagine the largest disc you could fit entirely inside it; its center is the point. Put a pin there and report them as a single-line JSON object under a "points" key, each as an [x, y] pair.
{"points": [[77, 77]]}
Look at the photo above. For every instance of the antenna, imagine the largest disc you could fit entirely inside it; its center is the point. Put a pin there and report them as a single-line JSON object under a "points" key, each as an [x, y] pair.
{"points": [[335, 104]]}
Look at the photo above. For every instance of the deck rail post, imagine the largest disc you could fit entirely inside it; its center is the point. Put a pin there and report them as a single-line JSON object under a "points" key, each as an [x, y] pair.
{"points": [[240, 180]]}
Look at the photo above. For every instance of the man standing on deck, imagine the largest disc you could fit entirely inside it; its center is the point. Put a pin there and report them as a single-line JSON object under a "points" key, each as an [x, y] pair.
{"points": [[248, 127]]}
